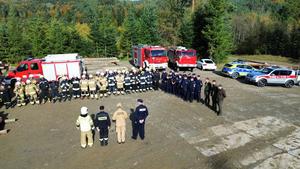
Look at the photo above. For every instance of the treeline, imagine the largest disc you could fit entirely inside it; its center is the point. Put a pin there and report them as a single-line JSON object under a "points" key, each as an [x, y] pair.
{"points": [[107, 28]]}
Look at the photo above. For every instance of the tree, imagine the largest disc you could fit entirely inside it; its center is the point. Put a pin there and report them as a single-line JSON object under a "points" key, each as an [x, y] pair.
{"points": [[186, 33], [215, 29]]}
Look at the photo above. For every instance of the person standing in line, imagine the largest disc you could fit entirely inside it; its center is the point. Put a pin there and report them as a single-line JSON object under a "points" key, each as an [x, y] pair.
{"points": [[85, 124], [120, 117], [139, 119], [207, 90], [214, 95], [220, 98], [103, 124]]}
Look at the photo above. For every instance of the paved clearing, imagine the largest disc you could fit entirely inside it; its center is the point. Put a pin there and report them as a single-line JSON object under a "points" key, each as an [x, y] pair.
{"points": [[259, 129]]}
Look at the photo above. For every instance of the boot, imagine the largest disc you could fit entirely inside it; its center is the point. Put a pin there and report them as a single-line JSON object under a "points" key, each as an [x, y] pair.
{"points": [[106, 142], [102, 143]]}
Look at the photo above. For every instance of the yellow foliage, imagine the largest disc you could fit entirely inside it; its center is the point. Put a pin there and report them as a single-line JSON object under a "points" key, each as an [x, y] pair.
{"points": [[65, 9], [83, 30], [52, 11]]}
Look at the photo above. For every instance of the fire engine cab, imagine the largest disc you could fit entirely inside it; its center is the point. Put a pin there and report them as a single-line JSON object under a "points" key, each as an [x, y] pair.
{"points": [[52, 66], [150, 56], [181, 57]]}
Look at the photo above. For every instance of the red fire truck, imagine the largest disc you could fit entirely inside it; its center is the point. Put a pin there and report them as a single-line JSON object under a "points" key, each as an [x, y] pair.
{"points": [[181, 57], [150, 56], [52, 66]]}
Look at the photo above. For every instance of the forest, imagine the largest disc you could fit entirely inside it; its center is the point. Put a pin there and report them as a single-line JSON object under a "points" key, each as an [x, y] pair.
{"points": [[109, 28]]}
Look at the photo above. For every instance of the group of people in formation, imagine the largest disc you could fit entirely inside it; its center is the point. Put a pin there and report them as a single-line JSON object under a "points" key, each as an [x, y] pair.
{"points": [[102, 84], [102, 122]]}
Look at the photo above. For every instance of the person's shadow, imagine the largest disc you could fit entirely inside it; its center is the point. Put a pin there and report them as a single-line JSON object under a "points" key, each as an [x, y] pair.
{"points": [[4, 116], [131, 117], [93, 131]]}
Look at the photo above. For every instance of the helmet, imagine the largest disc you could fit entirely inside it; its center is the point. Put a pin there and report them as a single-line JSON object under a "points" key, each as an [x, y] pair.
{"points": [[18, 79], [97, 73], [110, 72], [18, 83], [28, 81], [90, 76], [123, 71], [30, 76], [84, 110], [119, 71], [41, 76], [102, 73], [24, 76], [106, 70], [83, 76]]}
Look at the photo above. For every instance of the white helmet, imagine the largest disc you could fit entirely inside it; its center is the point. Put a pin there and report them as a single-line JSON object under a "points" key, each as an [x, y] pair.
{"points": [[110, 72], [83, 76], [24, 76], [84, 72], [30, 76], [90, 76], [97, 73], [84, 110], [18, 83], [102, 73], [106, 70], [119, 71], [18, 79], [28, 81], [41, 76]]}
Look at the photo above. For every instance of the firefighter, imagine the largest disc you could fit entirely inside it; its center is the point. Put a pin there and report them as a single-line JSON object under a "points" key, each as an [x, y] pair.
{"points": [[76, 87], [127, 82], [169, 82], [139, 119], [173, 83], [5, 91], [191, 89], [120, 83], [143, 81], [103, 85], [207, 90], [85, 124], [164, 80], [44, 87], [103, 123], [214, 95], [92, 87], [54, 90], [221, 94], [20, 93], [120, 117], [198, 87], [84, 86], [184, 86], [156, 79], [111, 83], [149, 79], [134, 80], [65, 88], [31, 91]]}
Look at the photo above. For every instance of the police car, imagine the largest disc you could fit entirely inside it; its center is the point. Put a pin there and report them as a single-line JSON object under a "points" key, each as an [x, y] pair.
{"points": [[237, 69], [273, 75]]}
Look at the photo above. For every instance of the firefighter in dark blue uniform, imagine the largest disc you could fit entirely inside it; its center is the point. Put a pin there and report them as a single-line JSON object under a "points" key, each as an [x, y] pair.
{"points": [[102, 123], [173, 83], [142, 81], [127, 82], [169, 82], [134, 80], [54, 86], [191, 89], [149, 79], [44, 87], [198, 87], [5, 91], [178, 85], [111, 83], [76, 87], [164, 80], [184, 86], [65, 88], [156, 78], [139, 119]]}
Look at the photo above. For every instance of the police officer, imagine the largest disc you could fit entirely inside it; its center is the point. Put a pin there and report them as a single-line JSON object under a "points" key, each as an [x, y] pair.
{"points": [[207, 90], [103, 123], [103, 84], [44, 87], [92, 87], [127, 82], [214, 95], [198, 87], [54, 90], [156, 79], [120, 82], [111, 83], [221, 94], [65, 88], [76, 87], [31, 91], [84, 86], [20, 93], [139, 119]]}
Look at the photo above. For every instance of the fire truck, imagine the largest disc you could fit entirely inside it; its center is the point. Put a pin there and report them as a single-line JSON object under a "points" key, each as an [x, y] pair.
{"points": [[51, 66], [150, 56], [181, 57]]}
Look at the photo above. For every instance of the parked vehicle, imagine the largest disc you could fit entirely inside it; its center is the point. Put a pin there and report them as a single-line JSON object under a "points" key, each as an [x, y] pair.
{"points": [[274, 76], [150, 56], [237, 69], [206, 64], [52, 66], [181, 57]]}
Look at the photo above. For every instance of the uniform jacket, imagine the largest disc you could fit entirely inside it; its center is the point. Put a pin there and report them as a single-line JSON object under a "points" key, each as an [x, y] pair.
{"points": [[102, 120], [76, 84], [141, 113], [214, 91], [85, 123], [44, 84], [207, 88], [221, 94], [84, 84], [120, 117]]}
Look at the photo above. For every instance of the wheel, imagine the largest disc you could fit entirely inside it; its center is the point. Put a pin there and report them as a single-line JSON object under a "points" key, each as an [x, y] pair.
{"points": [[262, 83], [289, 84], [201, 68], [235, 75]]}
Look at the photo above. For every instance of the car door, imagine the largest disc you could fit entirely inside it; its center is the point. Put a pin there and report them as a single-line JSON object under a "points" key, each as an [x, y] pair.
{"points": [[274, 77], [22, 70], [35, 69]]}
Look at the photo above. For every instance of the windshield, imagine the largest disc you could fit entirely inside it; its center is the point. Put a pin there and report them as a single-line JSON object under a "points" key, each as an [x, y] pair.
{"points": [[188, 53], [266, 70], [158, 53], [208, 61], [227, 65]]}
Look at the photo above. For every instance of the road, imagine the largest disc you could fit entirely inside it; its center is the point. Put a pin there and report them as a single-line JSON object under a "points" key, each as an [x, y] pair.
{"points": [[259, 130]]}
